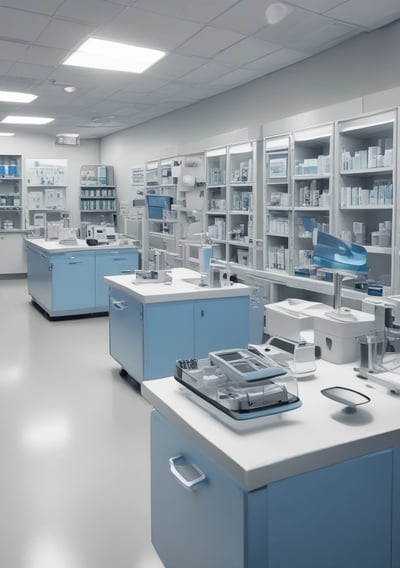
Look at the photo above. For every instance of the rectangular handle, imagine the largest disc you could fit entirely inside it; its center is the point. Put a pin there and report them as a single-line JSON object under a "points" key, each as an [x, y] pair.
{"points": [[188, 474], [126, 271], [119, 304], [119, 258]]}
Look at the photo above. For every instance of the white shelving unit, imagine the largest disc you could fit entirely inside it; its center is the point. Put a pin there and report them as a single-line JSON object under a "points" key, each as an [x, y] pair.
{"points": [[10, 193], [277, 204], [312, 173], [98, 203], [46, 188], [366, 197], [231, 194]]}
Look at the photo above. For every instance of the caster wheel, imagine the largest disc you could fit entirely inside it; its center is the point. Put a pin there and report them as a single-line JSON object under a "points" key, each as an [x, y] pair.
{"points": [[123, 373]]}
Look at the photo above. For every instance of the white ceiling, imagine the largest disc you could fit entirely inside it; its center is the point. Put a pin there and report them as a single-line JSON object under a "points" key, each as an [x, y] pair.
{"points": [[211, 45]]}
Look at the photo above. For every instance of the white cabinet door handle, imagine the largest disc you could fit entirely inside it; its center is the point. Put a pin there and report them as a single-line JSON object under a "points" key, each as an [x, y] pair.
{"points": [[188, 474], [119, 304]]}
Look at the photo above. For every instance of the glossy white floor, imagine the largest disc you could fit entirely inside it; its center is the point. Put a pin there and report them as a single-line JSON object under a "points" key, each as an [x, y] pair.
{"points": [[74, 445]]}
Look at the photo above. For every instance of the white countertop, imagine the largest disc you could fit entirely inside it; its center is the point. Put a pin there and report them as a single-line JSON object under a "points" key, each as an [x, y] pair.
{"points": [[177, 290], [316, 435], [53, 246]]}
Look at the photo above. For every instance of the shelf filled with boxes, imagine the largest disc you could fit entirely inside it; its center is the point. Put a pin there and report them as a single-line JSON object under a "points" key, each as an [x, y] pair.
{"points": [[97, 196], [366, 150], [216, 200], [10, 193]]}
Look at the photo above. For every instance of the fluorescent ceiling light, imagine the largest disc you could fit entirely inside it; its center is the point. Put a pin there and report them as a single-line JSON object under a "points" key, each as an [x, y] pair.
{"points": [[11, 97], [102, 54], [7, 133], [39, 120]]}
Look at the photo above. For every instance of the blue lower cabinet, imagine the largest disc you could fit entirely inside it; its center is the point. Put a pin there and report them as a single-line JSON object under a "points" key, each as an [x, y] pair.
{"points": [[109, 263], [396, 510], [221, 324], [173, 330], [340, 516], [40, 277], [73, 282], [126, 332]]}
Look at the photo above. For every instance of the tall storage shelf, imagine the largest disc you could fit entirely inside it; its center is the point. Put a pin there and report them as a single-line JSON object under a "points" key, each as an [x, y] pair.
{"points": [[46, 186], [366, 200], [10, 193], [174, 203], [277, 203], [98, 202], [230, 202], [312, 164]]}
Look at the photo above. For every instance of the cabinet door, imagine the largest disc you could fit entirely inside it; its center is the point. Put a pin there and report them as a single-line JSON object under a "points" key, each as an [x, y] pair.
{"points": [[126, 332], [221, 324], [12, 253], [168, 336], [337, 516], [39, 278], [396, 509], [73, 282], [109, 263], [199, 527]]}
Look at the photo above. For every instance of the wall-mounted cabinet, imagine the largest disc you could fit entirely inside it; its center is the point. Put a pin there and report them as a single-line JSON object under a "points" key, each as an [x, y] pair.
{"points": [[216, 204], [98, 203], [46, 188]]}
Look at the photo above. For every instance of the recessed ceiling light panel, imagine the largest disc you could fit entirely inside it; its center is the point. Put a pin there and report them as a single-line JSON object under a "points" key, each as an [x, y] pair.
{"points": [[7, 133], [39, 120], [101, 54], [13, 97]]}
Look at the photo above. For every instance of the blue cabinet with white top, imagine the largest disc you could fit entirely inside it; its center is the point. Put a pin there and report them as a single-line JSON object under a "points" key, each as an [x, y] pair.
{"points": [[147, 338], [339, 515], [67, 281]]}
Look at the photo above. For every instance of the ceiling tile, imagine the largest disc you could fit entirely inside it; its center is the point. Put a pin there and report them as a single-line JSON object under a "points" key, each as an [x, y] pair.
{"points": [[197, 10], [47, 7], [245, 17], [181, 91], [245, 51], [63, 34], [323, 37], [320, 6], [44, 55], [367, 13], [148, 29], [277, 60], [209, 41], [12, 51], [208, 72], [235, 78], [4, 67], [30, 71], [92, 12], [174, 66], [21, 25]]}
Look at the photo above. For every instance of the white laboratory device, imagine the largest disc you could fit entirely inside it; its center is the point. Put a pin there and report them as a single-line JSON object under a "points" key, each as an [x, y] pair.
{"points": [[291, 317], [336, 333]]}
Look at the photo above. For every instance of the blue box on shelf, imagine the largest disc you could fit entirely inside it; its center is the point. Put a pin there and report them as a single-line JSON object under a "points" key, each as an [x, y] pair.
{"points": [[157, 204]]}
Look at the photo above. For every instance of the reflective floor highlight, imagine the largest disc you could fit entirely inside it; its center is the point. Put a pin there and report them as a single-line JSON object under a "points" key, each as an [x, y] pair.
{"points": [[74, 443]]}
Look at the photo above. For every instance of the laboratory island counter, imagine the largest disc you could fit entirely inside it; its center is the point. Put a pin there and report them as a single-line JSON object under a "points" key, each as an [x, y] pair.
{"points": [[313, 487], [68, 280], [151, 325]]}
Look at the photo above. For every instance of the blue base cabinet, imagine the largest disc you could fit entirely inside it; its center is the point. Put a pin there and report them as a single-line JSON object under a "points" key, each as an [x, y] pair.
{"points": [[147, 339], [346, 515], [72, 283]]}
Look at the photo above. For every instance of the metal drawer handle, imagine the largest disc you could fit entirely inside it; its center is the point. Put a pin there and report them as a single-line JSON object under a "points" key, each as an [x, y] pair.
{"points": [[188, 474], [119, 258], [119, 304], [126, 271], [75, 261]]}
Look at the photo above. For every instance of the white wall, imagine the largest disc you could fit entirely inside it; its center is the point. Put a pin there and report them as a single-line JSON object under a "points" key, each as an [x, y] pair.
{"points": [[360, 75], [40, 146]]}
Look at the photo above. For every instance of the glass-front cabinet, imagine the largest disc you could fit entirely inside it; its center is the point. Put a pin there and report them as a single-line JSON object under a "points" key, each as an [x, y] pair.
{"points": [[216, 201]]}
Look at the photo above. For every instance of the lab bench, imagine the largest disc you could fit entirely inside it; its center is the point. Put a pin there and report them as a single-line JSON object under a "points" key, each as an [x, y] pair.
{"points": [[67, 280], [312, 487], [153, 325]]}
